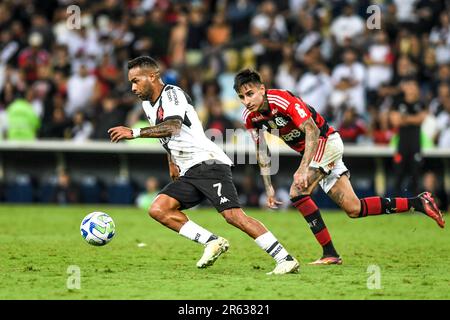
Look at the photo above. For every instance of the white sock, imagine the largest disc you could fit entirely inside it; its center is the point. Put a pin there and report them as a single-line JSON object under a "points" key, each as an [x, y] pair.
{"points": [[270, 244], [193, 231]]}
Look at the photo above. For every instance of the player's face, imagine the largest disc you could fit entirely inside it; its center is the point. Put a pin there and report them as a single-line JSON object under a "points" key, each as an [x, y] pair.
{"points": [[252, 96], [141, 82]]}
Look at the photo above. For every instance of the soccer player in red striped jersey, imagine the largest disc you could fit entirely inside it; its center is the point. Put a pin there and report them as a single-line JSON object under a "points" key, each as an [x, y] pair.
{"points": [[321, 148]]}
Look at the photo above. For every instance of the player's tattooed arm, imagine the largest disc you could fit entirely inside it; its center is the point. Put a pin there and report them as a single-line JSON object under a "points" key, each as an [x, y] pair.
{"points": [[167, 128], [263, 158], [174, 170], [312, 134], [164, 129]]}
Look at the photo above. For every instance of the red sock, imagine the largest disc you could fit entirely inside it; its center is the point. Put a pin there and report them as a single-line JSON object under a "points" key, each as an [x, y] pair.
{"points": [[376, 205], [309, 210]]}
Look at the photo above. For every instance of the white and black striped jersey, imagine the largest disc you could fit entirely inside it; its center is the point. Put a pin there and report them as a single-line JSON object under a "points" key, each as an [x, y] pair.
{"points": [[191, 146]]}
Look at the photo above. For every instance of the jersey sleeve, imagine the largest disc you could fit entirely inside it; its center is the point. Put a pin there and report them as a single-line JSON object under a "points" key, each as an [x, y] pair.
{"points": [[249, 126], [174, 104], [297, 110]]}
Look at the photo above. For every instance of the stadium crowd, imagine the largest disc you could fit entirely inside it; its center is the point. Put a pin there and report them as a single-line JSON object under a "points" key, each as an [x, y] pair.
{"points": [[60, 79], [69, 81]]}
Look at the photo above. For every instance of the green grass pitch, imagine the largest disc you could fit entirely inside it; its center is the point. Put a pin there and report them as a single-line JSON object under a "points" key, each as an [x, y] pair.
{"points": [[39, 243]]}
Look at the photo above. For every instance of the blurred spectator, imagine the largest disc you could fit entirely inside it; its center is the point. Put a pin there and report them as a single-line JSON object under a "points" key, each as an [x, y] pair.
{"points": [[347, 27], [440, 39], [352, 127], [405, 13], [110, 115], [431, 183], [379, 128], [22, 121], [33, 56], [82, 128], [177, 41], [145, 199], [217, 120], [219, 31], [196, 35], [378, 59], [348, 80], [58, 125], [239, 13], [269, 30], [66, 191], [315, 86], [80, 82], [443, 93], [287, 72], [407, 114], [443, 124]]}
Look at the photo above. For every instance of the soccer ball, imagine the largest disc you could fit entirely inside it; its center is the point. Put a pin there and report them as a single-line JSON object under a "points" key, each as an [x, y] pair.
{"points": [[97, 228]]}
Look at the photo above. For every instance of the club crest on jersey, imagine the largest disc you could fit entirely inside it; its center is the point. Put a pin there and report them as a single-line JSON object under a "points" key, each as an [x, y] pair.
{"points": [[280, 121], [160, 113]]}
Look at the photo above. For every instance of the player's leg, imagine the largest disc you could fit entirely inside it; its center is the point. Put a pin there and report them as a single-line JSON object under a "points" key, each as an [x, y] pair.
{"points": [[263, 238], [218, 187], [302, 201], [344, 196], [166, 209]]}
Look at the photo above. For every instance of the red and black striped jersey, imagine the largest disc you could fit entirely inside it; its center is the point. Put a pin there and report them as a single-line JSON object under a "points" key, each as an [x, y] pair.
{"points": [[286, 113]]}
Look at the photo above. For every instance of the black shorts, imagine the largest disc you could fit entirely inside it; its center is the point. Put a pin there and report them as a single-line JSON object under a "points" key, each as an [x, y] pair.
{"points": [[211, 181]]}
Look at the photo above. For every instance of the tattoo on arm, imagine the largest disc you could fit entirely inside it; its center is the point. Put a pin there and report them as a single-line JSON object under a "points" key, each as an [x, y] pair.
{"points": [[164, 129], [263, 158], [337, 196], [311, 141]]}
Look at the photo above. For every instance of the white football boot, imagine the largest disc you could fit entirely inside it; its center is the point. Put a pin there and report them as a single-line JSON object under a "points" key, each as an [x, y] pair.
{"points": [[286, 266], [213, 250]]}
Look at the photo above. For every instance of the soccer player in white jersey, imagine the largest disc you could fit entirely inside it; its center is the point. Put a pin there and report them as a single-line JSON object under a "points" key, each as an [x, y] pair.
{"points": [[198, 167]]}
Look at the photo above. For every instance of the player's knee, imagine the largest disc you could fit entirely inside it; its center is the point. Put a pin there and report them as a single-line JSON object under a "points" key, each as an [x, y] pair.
{"points": [[298, 192], [156, 212], [353, 209], [232, 216]]}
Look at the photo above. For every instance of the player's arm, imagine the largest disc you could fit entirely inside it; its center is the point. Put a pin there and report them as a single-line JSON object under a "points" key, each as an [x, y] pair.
{"points": [[167, 128], [398, 119], [416, 119], [174, 171], [312, 134], [263, 158]]}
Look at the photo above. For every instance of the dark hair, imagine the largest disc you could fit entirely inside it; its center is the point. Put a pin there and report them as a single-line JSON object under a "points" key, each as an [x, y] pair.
{"points": [[246, 76], [142, 62]]}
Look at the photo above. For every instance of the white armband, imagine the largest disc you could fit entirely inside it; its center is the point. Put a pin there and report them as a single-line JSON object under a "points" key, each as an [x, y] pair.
{"points": [[136, 132]]}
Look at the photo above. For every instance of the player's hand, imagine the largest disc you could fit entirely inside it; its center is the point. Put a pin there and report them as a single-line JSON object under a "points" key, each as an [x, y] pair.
{"points": [[301, 179], [119, 133], [174, 171], [272, 201]]}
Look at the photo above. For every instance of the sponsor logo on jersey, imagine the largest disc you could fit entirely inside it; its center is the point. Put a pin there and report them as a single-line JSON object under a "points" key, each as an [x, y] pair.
{"points": [[258, 118], [223, 200], [291, 135], [174, 97]]}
